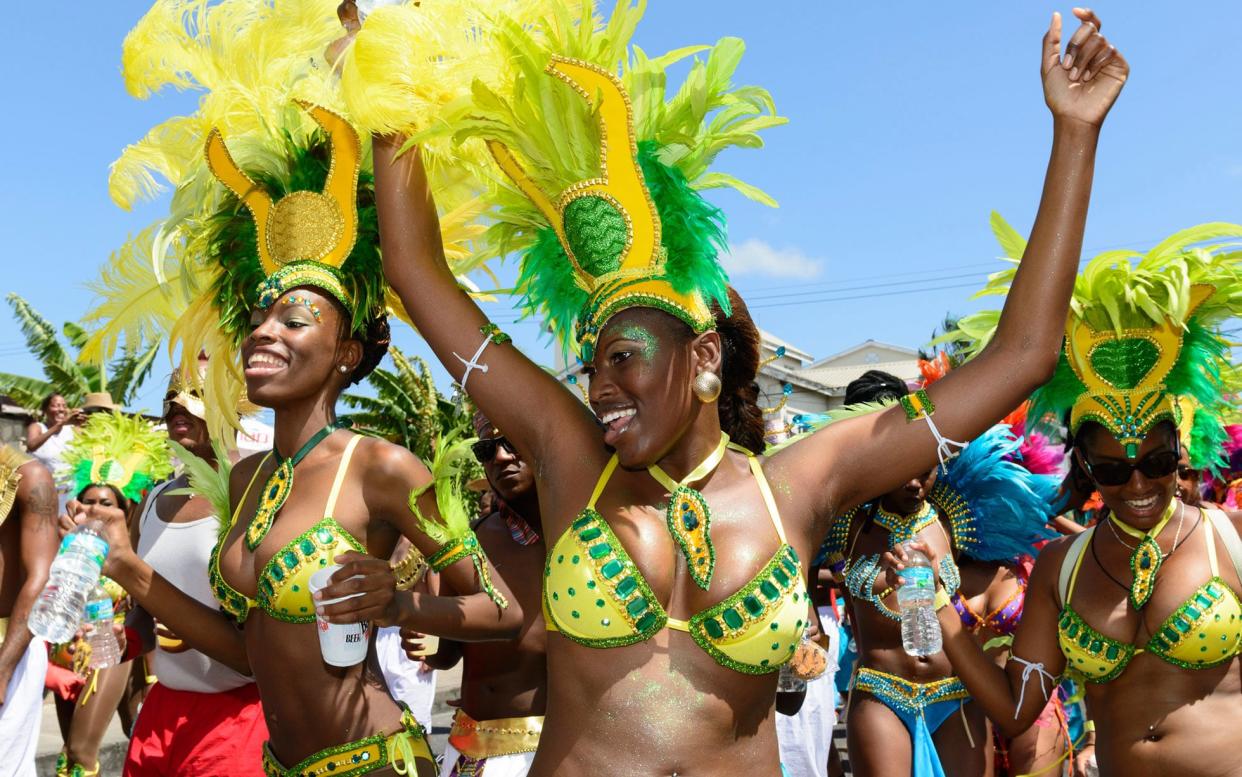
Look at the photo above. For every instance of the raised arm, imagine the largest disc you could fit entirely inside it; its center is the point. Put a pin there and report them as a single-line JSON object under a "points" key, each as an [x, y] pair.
{"points": [[542, 418], [860, 458], [35, 510]]}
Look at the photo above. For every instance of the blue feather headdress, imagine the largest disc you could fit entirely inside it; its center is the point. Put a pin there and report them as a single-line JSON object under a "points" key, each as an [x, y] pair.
{"points": [[995, 507]]}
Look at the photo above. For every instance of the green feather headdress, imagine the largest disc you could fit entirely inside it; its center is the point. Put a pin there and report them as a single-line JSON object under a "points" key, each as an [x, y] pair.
{"points": [[602, 226], [112, 449], [1142, 341]]}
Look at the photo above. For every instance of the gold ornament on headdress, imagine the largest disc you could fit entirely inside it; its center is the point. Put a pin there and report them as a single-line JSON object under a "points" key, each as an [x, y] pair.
{"points": [[304, 237], [11, 461], [608, 226], [1124, 373]]}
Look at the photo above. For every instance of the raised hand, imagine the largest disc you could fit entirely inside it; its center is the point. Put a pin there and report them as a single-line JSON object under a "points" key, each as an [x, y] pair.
{"points": [[347, 13], [115, 531], [1082, 84]]}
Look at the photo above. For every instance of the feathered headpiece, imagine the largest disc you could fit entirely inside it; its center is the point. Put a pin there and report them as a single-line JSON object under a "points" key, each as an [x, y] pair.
{"points": [[297, 206], [11, 460], [996, 508], [604, 203], [112, 449], [1141, 343]]}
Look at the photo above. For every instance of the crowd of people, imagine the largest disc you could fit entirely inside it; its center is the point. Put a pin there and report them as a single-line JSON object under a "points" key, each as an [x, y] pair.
{"points": [[653, 584]]}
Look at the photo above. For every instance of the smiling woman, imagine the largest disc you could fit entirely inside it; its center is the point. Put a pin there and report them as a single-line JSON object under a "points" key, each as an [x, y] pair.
{"points": [[1151, 596], [679, 549], [277, 225]]}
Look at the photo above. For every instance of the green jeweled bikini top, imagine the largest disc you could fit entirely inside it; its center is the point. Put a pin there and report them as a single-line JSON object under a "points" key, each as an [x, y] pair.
{"points": [[1205, 631], [595, 595], [282, 590]]}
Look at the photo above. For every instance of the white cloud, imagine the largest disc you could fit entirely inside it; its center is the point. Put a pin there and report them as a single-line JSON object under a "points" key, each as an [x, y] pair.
{"points": [[755, 257]]}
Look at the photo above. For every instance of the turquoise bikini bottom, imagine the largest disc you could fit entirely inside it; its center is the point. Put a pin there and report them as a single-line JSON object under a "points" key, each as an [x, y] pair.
{"points": [[922, 707]]}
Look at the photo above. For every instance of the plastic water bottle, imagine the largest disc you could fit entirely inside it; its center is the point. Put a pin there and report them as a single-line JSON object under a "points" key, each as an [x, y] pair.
{"points": [[74, 574], [920, 631], [105, 651]]}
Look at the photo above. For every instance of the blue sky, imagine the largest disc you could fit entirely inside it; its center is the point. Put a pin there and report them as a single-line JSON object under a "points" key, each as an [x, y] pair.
{"points": [[909, 123]]}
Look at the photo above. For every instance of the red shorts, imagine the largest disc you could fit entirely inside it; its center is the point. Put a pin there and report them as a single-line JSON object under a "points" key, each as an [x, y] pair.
{"points": [[190, 734]]}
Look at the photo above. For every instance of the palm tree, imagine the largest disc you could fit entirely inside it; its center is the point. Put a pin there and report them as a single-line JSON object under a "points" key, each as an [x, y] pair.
{"points": [[63, 373], [408, 409]]}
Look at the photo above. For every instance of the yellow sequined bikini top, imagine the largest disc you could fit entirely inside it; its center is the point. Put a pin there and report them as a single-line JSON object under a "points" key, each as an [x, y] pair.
{"points": [[595, 595], [282, 589], [1205, 631]]}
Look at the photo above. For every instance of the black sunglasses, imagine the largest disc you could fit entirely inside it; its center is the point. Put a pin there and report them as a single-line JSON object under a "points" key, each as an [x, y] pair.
{"points": [[1117, 473], [485, 450]]}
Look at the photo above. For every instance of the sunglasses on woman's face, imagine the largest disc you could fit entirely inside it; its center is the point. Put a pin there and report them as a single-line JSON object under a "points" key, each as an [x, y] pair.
{"points": [[1156, 465], [485, 450]]}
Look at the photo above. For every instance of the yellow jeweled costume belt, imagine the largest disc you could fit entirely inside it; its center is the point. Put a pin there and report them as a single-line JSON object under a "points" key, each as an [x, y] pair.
{"points": [[478, 739], [361, 757]]}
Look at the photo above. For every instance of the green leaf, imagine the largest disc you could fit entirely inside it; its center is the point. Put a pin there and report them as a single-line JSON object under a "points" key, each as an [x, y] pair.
{"points": [[27, 392], [1012, 243]]}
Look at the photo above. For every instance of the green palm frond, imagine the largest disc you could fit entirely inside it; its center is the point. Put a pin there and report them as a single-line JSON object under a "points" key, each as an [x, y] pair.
{"points": [[42, 341], [130, 371], [27, 392]]}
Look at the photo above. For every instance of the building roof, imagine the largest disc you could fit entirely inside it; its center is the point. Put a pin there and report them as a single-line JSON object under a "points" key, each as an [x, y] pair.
{"points": [[770, 340], [913, 353], [842, 375]]}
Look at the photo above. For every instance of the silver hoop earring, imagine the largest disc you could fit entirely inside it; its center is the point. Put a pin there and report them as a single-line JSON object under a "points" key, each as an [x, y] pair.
{"points": [[706, 386]]}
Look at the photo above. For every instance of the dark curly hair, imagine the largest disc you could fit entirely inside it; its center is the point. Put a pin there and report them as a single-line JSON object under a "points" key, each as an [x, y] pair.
{"points": [[875, 386], [740, 414], [375, 343]]}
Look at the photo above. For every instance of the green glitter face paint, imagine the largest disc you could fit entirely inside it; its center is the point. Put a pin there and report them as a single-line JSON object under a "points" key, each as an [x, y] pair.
{"points": [[648, 344]]}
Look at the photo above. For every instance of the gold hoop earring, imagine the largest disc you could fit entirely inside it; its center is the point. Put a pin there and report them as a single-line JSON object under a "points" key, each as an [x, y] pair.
{"points": [[706, 386]]}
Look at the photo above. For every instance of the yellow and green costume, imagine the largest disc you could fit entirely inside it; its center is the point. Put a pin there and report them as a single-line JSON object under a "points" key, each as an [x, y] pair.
{"points": [[603, 171], [1143, 347]]}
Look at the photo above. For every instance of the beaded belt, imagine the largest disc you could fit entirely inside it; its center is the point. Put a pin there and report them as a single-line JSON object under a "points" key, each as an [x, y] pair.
{"points": [[360, 757], [907, 696], [478, 739]]}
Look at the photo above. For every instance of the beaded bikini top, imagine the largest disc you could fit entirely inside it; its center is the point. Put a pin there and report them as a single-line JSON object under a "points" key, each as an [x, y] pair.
{"points": [[1205, 631], [594, 594], [282, 590]]}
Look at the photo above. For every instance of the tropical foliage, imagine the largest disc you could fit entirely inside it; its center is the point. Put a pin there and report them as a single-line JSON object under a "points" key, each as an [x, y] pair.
{"points": [[63, 373], [407, 409]]}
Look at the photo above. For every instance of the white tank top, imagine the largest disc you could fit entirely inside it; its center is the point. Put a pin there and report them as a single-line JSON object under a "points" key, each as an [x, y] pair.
{"points": [[179, 552]]}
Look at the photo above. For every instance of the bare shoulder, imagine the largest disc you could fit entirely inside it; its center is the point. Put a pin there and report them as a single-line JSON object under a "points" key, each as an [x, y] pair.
{"points": [[242, 474], [387, 465], [1049, 559]]}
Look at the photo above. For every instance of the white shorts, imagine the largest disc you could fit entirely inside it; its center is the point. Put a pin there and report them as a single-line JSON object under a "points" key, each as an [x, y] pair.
{"points": [[22, 713], [516, 765]]}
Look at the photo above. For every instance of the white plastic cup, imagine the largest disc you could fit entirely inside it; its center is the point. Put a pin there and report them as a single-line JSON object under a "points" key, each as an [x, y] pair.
{"points": [[342, 644]]}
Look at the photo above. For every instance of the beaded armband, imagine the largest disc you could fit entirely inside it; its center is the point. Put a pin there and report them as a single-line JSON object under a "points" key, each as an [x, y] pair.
{"points": [[950, 576], [467, 547], [410, 569], [919, 405]]}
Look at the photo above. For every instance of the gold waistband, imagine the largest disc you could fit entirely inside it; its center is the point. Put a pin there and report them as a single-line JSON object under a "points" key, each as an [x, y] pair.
{"points": [[492, 738], [361, 757]]}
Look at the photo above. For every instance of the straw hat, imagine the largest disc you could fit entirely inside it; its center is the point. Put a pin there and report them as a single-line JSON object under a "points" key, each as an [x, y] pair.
{"points": [[97, 401]]}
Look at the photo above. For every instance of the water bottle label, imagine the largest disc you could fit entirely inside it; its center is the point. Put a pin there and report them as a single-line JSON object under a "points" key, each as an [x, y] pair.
{"points": [[95, 547], [98, 610], [918, 578]]}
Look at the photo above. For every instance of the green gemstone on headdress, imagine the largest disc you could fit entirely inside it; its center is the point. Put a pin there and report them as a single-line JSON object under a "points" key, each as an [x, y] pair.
{"points": [[597, 232], [1124, 363]]}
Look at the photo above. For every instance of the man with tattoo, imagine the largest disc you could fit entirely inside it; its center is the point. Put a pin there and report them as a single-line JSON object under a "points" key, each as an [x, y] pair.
{"points": [[28, 542], [503, 684]]}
